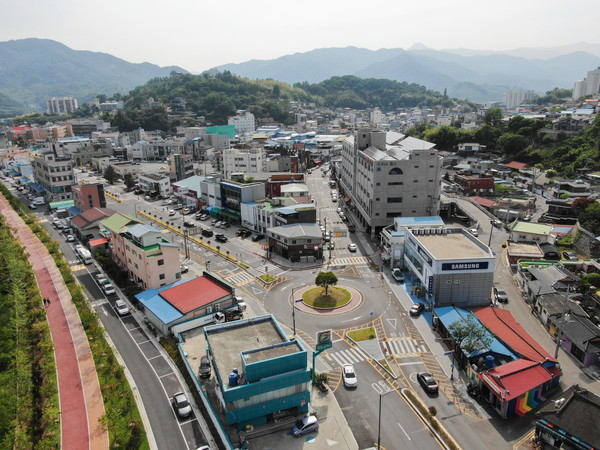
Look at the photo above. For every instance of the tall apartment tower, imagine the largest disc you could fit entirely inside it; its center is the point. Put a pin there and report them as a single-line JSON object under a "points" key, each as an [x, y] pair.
{"points": [[590, 85], [61, 105]]}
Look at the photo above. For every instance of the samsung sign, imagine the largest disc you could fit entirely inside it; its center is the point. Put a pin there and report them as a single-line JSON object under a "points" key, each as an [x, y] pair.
{"points": [[482, 265]]}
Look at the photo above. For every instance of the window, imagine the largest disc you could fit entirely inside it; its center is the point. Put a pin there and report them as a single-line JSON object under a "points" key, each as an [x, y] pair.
{"points": [[394, 199], [161, 262], [395, 171], [395, 183]]}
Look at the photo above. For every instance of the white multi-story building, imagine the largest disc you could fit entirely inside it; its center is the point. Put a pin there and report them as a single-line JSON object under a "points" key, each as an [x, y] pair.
{"points": [[252, 162], [155, 184], [590, 85], [53, 172], [61, 105], [243, 122], [376, 117], [512, 99], [388, 175]]}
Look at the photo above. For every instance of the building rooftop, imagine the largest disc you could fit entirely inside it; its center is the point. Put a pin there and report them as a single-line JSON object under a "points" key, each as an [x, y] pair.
{"points": [[531, 228], [452, 246], [259, 336], [522, 248]]}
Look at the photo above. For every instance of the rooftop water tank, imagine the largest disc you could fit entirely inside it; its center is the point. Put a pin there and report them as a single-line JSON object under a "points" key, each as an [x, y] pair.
{"points": [[490, 361], [233, 379]]}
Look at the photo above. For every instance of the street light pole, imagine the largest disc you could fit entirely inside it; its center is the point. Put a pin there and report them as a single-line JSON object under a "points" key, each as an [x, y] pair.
{"points": [[294, 311], [381, 394], [491, 230]]}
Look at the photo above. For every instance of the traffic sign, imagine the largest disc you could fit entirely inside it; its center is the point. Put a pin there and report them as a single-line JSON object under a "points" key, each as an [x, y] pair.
{"points": [[324, 340]]}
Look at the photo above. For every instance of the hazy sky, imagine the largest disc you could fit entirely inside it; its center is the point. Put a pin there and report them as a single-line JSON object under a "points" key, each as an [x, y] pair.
{"points": [[199, 34]]}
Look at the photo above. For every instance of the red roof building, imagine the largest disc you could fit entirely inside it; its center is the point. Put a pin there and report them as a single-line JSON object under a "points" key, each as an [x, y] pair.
{"points": [[518, 386], [196, 293], [517, 165]]}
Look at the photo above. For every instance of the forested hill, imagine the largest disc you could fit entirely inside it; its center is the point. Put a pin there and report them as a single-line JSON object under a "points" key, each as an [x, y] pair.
{"points": [[217, 96]]}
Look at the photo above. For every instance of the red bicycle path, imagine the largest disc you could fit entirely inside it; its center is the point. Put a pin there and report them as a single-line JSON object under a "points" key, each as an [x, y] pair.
{"points": [[81, 403]]}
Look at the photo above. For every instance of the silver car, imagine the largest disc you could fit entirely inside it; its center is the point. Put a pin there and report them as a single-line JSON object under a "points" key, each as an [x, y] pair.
{"points": [[349, 376]]}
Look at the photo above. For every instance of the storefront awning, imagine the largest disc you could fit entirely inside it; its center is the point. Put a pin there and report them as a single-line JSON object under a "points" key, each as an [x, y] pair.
{"points": [[36, 187], [99, 241], [62, 204]]}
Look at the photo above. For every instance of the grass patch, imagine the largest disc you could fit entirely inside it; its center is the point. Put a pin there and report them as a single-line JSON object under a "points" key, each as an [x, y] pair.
{"points": [[335, 298], [268, 278], [244, 265], [364, 334]]}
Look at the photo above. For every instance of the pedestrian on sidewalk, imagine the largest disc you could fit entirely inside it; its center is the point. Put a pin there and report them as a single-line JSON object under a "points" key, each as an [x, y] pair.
{"points": [[45, 300], [48, 300]]}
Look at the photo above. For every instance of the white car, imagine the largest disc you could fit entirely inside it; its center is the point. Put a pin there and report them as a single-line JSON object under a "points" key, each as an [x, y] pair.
{"points": [[121, 307], [349, 376], [101, 278], [352, 247], [474, 232], [171, 212], [70, 238]]}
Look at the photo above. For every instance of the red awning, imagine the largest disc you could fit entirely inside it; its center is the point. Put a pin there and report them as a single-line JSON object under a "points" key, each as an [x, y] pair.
{"points": [[99, 241], [347, 199]]}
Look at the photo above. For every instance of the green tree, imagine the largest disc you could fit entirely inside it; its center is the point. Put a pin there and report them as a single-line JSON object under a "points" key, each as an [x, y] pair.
{"points": [[469, 335], [129, 181], [110, 174], [325, 280], [593, 279], [511, 144], [493, 117], [487, 135]]}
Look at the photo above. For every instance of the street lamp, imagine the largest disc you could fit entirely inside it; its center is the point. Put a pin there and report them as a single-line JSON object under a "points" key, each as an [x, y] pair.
{"points": [[491, 230], [381, 394], [294, 301]]}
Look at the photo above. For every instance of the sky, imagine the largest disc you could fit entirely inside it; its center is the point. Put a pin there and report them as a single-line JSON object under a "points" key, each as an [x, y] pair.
{"points": [[200, 34]]}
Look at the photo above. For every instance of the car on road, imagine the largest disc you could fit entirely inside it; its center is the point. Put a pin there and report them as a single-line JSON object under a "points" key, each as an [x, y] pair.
{"points": [[172, 212], [416, 309], [221, 238], [527, 218], [397, 274], [241, 303], [351, 228], [497, 223], [427, 382], [186, 210], [352, 247], [500, 295], [570, 256], [305, 425], [258, 237], [243, 233], [181, 405], [474, 232], [189, 224], [349, 376], [214, 222], [108, 289], [70, 238], [101, 278], [207, 233], [204, 217], [204, 370], [184, 269], [121, 307]]}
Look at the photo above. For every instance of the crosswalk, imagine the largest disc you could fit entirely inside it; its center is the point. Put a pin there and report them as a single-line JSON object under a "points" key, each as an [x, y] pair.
{"points": [[240, 278], [398, 347], [404, 347], [348, 356], [352, 260]]}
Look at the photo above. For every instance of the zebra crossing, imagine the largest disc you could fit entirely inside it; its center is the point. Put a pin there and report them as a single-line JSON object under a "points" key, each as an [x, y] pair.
{"points": [[404, 347], [348, 356], [352, 260], [240, 278]]}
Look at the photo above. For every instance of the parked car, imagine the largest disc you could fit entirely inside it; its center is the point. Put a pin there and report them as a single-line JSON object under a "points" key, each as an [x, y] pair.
{"points": [[243, 233], [349, 376], [184, 269], [570, 256], [204, 216], [207, 233], [351, 228], [186, 210], [172, 212], [500, 295], [305, 425], [427, 382], [221, 238], [416, 309], [352, 247], [258, 237], [100, 278], [474, 232], [241, 303], [204, 371], [121, 307], [70, 238], [181, 405], [108, 289], [189, 224], [397, 274], [214, 222]]}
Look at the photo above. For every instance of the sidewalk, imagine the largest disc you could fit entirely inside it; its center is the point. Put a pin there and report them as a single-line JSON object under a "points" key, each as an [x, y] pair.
{"points": [[81, 404]]}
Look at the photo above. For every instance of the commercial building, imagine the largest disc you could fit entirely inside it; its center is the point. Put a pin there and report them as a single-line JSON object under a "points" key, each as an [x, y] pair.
{"points": [[181, 166], [387, 175], [297, 241], [260, 373], [53, 172], [186, 304], [61, 105], [155, 184], [249, 161], [141, 251], [447, 265], [87, 196]]}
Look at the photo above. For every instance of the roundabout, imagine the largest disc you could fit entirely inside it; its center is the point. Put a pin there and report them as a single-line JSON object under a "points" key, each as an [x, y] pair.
{"points": [[346, 305]]}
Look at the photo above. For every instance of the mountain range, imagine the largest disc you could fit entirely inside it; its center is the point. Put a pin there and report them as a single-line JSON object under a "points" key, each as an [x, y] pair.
{"points": [[465, 74], [32, 70]]}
